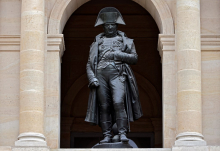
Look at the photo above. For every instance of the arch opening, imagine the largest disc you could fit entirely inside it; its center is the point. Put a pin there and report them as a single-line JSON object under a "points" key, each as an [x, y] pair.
{"points": [[63, 9], [79, 33]]}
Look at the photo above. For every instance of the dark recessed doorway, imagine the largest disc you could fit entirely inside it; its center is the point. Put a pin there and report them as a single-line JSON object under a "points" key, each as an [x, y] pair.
{"points": [[79, 33]]}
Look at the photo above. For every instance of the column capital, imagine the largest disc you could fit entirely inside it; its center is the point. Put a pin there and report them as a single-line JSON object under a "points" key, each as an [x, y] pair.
{"points": [[55, 42], [166, 43]]}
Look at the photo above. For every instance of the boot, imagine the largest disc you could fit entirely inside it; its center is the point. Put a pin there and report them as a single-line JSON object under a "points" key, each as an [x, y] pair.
{"points": [[107, 139], [115, 139], [122, 129], [123, 138], [106, 129]]}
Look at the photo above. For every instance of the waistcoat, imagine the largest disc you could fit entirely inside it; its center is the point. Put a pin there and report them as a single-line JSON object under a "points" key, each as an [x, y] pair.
{"points": [[105, 47]]}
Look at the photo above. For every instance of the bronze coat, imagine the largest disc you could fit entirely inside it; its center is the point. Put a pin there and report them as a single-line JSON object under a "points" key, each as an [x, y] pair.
{"points": [[132, 102]]}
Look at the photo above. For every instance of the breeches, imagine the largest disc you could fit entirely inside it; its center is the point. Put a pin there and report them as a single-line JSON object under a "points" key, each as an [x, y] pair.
{"points": [[111, 92]]}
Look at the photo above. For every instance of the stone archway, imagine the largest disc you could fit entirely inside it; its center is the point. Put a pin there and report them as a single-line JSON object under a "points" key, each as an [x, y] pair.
{"points": [[79, 33], [158, 9], [60, 13], [63, 9]]}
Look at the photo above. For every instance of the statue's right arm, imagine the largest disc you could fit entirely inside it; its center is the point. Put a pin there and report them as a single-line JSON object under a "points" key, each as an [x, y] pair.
{"points": [[90, 73], [93, 81]]}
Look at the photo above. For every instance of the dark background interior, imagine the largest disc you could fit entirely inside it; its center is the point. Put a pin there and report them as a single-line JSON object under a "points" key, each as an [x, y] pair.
{"points": [[79, 33]]}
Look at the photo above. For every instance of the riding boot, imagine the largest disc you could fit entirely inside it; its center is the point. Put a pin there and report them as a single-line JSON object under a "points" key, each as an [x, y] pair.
{"points": [[106, 130], [122, 129]]}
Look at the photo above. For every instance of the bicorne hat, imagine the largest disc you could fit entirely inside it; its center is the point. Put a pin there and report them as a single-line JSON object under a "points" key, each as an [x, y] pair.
{"points": [[109, 15]]}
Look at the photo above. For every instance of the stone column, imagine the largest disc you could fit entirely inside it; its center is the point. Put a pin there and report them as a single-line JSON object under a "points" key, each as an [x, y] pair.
{"points": [[188, 52], [32, 74]]}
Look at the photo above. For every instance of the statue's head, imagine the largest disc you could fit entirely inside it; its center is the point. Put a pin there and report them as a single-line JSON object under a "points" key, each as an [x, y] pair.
{"points": [[109, 17]]}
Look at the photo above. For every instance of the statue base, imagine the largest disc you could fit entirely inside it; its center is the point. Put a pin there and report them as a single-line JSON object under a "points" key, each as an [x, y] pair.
{"points": [[113, 145]]}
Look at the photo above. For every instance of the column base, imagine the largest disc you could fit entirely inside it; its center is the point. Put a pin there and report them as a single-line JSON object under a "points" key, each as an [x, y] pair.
{"points": [[190, 139], [31, 140], [190, 143]]}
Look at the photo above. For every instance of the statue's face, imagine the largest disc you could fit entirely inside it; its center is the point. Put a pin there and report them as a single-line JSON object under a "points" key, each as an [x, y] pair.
{"points": [[110, 29]]}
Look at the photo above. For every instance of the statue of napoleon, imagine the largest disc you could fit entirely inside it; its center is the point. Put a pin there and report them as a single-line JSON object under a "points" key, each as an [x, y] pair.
{"points": [[114, 96]]}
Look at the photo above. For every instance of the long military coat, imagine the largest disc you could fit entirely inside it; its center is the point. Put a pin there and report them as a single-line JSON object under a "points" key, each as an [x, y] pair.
{"points": [[132, 102]]}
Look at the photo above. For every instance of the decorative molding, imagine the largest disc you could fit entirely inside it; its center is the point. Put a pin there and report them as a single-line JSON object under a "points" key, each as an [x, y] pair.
{"points": [[56, 15], [161, 13], [12, 43], [9, 42], [31, 139], [60, 14], [63, 9], [190, 139], [165, 15], [55, 43], [208, 43], [166, 43]]}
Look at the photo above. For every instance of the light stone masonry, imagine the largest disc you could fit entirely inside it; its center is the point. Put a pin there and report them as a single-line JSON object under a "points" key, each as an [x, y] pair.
{"points": [[188, 52], [31, 119]]}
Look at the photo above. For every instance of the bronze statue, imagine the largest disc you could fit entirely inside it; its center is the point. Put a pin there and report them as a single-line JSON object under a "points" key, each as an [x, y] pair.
{"points": [[114, 96]]}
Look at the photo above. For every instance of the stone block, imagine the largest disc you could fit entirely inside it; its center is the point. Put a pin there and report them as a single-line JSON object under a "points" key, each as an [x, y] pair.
{"points": [[214, 148], [5, 148], [30, 149], [193, 148]]}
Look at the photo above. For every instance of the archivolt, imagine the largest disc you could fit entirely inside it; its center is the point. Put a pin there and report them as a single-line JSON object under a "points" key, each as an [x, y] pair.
{"points": [[160, 11], [60, 14], [63, 9]]}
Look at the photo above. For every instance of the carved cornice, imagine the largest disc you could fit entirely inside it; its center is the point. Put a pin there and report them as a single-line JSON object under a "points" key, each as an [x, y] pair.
{"points": [[12, 43], [9, 42], [166, 43], [208, 43], [55, 43]]}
